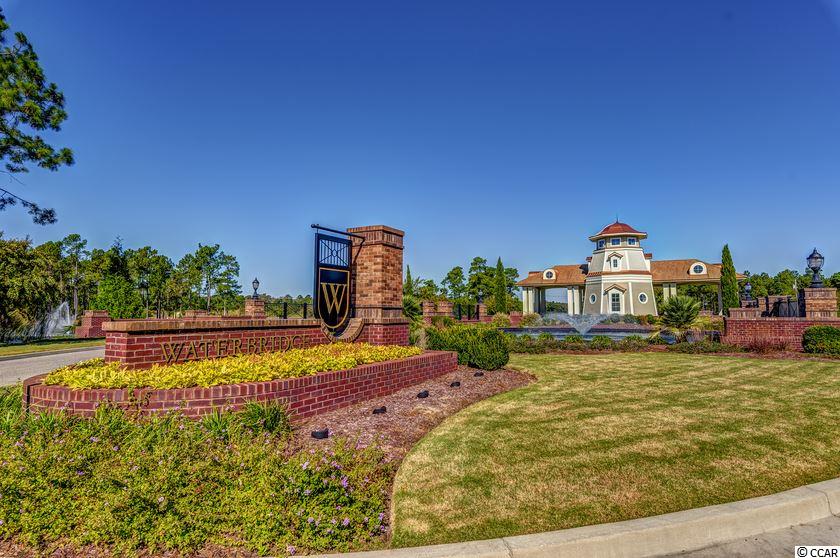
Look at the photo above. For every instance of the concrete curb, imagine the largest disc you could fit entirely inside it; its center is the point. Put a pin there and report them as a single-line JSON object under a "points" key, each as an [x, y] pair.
{"points": [[650, 536], [49, 353]]}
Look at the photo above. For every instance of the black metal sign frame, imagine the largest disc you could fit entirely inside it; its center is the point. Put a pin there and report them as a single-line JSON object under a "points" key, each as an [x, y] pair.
{"points": [[332, 300]]}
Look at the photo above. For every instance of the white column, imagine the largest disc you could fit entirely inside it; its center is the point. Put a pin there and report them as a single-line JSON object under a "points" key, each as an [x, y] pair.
{"points": [[570, 301]]}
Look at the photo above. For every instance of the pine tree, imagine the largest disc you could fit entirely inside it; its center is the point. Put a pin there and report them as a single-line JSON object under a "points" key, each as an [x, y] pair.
{"points": [[500, 288], [728, 281], [29, 105]]}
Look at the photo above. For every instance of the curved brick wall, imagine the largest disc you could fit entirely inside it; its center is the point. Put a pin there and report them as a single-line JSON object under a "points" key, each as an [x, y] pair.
{"points": [[305, 396]]}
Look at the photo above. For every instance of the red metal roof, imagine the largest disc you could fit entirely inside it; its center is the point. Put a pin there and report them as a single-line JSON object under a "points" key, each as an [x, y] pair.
{"points": [[618, 228]]}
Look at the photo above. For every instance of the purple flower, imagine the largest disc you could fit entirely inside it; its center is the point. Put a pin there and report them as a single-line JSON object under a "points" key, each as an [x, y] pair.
{"points": [[307, 492], [381, 516], [94, 439], [79, 473], [333, 521], [160, 499], [346, 521], [291, 550], [344, 482], [305, 465], [310, 520]]}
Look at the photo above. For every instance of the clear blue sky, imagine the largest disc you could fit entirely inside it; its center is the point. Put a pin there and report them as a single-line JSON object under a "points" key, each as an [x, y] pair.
{"points": [[512, 129]]}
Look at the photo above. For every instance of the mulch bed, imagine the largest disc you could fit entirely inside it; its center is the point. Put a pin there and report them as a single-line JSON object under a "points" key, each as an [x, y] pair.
{"points": [[407, 417]]}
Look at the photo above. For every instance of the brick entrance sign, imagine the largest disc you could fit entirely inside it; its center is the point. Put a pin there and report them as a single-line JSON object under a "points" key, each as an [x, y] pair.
{"points": [[746, 326], [376, 295]]}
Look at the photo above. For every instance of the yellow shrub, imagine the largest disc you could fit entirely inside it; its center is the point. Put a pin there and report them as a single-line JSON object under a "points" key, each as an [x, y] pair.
{"points": [[231, 370]]}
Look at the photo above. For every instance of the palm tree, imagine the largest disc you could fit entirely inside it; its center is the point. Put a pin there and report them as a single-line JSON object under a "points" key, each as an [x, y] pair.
{"points": [[680, 312]]}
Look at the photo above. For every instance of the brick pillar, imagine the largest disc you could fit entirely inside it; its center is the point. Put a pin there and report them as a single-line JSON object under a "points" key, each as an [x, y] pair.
{"points": [[254, 307], [819, 303], [429, 310], [445, 308], [377, 284], [91, 325], [378, 272]]}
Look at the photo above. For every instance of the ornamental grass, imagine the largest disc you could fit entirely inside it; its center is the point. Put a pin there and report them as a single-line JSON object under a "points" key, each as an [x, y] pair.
{"points": [[294, 363]]}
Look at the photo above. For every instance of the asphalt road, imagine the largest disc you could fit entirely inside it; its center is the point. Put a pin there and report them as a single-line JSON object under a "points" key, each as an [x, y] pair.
{"points": [[825, 532], [16, 370]]}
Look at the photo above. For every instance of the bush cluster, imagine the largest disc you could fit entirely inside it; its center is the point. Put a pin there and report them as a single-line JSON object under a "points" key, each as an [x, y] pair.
{"points": [[170, 484], [230, 370], [546, 342], [479, 346], [821, 340]]}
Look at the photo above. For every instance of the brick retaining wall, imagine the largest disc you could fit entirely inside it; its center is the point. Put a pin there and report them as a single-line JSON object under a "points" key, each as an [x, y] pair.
{"points": [[307, 396], [91, 324], [788, 331]]}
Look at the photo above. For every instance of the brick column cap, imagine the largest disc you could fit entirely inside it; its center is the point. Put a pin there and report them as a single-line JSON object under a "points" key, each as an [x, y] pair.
{"points": [[372, 228]]}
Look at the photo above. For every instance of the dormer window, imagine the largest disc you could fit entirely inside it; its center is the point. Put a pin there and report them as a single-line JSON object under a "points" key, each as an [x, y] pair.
{"points": [[614, 263], [548, 274], [615, 241], [631, 241], [698, 268]]}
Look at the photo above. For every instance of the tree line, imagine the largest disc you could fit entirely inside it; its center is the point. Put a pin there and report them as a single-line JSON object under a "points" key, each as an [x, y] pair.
{"points": [[126, 282], [495, 286]]}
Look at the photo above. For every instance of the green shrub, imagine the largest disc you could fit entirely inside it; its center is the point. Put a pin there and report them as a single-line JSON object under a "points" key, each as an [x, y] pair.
{"points": [[500, 319], [269, 417], [573, 342], [680, 311], [172, 485], [704, 346], [657, 339], [821, 340], [478, 346], [601, 343], [632, 343], [530, 319], [441, 322]]}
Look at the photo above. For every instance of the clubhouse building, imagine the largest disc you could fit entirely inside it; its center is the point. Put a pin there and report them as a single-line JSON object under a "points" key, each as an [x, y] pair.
{"points": [[618, 278]]}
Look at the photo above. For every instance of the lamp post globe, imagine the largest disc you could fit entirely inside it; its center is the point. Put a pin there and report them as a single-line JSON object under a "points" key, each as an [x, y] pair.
{"points": [[815, 264], [748, 290], [256, 285]]}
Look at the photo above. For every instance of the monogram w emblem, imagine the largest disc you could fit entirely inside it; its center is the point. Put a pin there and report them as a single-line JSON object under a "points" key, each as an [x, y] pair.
{"points": [[333, 294], [333, 297]]}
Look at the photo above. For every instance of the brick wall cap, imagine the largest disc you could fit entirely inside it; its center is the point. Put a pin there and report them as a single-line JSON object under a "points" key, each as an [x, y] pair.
{"points": [[371, 228], [137, 326]]}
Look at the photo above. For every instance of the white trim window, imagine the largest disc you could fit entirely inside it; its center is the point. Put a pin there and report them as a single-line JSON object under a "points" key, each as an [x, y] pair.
{"points": [[602, 243], [593, 298], [615, 302], [614, 262], [643, 298], [631, 241], [698, 269], [615, 241]]}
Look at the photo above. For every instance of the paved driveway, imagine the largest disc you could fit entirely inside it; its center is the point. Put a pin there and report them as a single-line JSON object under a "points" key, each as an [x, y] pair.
{"points": [[825, 532], [16, 370]]}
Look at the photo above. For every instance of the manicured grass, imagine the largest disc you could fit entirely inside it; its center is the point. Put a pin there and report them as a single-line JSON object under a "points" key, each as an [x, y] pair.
{"points": [[51, 345], [612, 437]]}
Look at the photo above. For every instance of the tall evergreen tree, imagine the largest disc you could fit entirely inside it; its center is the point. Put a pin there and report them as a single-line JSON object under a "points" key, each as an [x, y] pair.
{"points": [[500, 288], [728, 281], [28, 105], [408, 284]]}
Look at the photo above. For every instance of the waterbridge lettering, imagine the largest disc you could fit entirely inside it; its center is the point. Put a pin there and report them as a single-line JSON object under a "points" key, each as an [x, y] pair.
{"points": [[183, 351]]}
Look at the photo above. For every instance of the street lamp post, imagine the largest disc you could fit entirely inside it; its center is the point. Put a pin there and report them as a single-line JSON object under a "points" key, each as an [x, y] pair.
{"points": [[144, 292], [256, 285], [815, 263]]}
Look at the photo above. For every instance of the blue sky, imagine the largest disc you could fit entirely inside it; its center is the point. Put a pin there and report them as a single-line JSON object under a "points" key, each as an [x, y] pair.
{"points": [[481, 128]]}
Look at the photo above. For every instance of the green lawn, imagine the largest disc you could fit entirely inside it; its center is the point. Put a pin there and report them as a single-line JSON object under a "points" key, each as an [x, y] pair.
{"points": [[611, 437], [51, 345]]}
